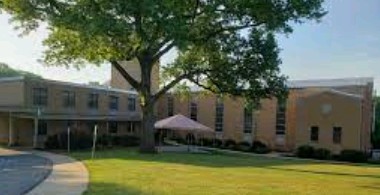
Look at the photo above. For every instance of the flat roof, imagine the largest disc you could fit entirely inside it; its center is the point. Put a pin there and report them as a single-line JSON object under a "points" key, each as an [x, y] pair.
{"points": [[339, 82], [105, 88]]}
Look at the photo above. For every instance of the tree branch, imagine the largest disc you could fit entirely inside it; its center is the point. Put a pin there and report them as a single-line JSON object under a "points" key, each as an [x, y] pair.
{"points": [[133, 82], [163, 51]]}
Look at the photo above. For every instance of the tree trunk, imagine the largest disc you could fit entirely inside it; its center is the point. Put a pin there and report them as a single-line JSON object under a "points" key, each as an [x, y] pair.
{"points": [[147, 131]]}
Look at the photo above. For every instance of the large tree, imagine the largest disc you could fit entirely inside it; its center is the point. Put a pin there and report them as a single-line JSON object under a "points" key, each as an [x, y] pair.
{"points": [[225, 46]]}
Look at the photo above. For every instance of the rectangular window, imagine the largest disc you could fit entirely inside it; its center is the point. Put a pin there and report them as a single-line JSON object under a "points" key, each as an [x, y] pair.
{"points": [[248, 121], [93, 100], [337, 135], [40, 96], [314, 133], [113, 102], [170, 106], [68, 99], [130, 127], [219, 113], [193, 111], [42, 128], [131, 103], [112, 127], [281, 117]]}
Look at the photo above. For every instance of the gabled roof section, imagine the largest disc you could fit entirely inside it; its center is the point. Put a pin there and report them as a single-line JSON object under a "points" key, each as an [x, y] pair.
{"points": [[354, 81]]}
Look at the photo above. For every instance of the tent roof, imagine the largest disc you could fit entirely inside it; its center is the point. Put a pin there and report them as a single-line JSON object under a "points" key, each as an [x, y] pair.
{"points": [[180, 122]]}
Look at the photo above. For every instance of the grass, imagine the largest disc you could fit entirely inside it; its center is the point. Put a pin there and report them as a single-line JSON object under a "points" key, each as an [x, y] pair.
{"points": [[125, 171]]}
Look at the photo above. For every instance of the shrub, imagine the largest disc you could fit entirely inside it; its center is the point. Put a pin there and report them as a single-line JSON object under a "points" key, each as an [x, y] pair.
{"points": [[305, 151], [322, 154], [129, 141], [244, 146], [229, 144], [205, 142], [260, 148], [78, 140], [217, 143], [354, 156]]}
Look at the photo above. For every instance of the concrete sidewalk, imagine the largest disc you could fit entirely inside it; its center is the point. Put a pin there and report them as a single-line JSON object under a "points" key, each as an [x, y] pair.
{"points": [[68, 176]]}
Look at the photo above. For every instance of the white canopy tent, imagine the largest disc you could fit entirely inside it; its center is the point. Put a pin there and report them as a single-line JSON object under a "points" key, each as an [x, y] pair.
{"points": [[182, 123]]}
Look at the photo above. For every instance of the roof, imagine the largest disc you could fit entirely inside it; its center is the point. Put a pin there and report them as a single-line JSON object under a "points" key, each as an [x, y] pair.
{"points": [[355, 81], [180, 122], [105, 88], [335, 92]]}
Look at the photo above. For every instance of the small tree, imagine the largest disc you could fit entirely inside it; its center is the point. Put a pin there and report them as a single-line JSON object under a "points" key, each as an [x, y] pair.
{"points": [[225, 46]]}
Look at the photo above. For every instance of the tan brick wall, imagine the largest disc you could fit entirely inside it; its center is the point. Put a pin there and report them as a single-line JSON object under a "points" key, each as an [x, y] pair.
{"points": [[345, 113], [133, 68], [12, 93]]}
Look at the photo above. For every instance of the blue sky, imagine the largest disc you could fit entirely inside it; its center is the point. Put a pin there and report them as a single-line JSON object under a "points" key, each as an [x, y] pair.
{"points": [[346, 43]]}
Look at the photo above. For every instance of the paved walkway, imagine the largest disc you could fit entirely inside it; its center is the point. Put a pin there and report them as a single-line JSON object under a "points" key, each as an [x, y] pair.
{"points": [[21, 171], [68, 177]]}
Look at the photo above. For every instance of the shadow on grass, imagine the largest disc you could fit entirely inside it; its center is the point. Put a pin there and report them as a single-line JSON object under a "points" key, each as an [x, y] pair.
{"points": [[221, 161], [104, 188]]}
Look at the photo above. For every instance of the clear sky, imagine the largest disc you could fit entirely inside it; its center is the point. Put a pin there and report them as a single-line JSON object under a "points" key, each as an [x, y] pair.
{"points": [[345, 44]]}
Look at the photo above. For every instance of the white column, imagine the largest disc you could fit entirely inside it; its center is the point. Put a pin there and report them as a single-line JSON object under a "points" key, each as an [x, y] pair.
{"points": [[10, 141], [35, 132]]}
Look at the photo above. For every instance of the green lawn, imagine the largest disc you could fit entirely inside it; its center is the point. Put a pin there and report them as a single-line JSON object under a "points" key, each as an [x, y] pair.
{"points": [[128, 172]]}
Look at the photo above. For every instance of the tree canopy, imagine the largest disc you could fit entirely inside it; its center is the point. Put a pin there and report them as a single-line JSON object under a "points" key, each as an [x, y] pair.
{"points": [[6, 71], [225, 46]]}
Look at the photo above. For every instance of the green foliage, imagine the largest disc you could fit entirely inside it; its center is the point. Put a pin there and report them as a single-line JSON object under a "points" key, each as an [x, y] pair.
{"points": [[322, 154], [6, 71], [354, 156], [305, 151], [260, 148], [227, 47]]}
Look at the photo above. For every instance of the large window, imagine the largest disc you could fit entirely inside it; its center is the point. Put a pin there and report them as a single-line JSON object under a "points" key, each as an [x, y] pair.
{"points": [[93, 99], [194, 111], [219, 112], [112, 127], [248, 121], [40, 96], [113, 102], [314, 133], [131, 103], [281, 117], [68, 99], [337, 135], [170, 106], [42, 128]]}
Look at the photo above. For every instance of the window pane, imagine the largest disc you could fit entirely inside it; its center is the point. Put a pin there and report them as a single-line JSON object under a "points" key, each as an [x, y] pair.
{"points": [[337, 135], [112, 127], [113, 102], [314, 133], [42, 128], [193, 111], [248, 121], [219, 109], [40, 96], [170, 106], [131, 104]]}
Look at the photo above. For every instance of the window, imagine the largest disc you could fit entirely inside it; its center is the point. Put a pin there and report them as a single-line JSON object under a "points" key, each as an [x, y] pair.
{"points": [[131, 103], [219, 109], [281, 117], [248, 121], [170, 106], [68, 99], [112, 127], [93, 100], [337, 135], [314, 131], [130, 127], [40, 96], [42, 128], [193, 111], [113, 102]]}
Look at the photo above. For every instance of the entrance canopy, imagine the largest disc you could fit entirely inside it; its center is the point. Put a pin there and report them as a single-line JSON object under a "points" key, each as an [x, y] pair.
{"points": [[180, 122]]}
